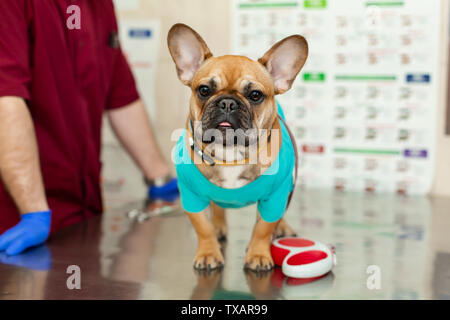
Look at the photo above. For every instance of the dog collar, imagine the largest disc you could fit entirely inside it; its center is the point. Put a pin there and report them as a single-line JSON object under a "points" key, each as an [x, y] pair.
{"points": [[199, 151]]}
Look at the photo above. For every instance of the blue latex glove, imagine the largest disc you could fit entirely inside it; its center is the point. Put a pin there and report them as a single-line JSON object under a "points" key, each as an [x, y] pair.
{"points": [[168, 192], [32, 230]]}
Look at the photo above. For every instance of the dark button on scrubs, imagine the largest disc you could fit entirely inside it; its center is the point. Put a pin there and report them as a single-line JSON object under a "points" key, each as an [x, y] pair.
{"points": [[68, 78]]}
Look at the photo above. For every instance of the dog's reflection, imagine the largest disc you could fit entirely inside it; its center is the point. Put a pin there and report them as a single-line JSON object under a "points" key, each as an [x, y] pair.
{"points": [[210, 286], [261, 284], [208, 282], [266, 285]]}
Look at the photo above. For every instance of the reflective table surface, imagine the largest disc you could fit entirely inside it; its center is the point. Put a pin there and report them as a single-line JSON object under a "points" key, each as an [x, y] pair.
{"points": [[407, 239], [120, 258]]}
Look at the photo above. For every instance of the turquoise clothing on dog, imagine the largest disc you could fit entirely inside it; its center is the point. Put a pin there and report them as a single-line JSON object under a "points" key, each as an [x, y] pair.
{"points": [[270, 190]]}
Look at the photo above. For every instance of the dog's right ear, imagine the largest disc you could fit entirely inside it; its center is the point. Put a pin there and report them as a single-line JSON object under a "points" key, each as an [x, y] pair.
{"points": [[188, 51]]}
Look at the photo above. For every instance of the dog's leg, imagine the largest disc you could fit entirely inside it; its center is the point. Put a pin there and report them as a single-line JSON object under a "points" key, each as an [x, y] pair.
{"points": [[258, 256], [284, 230], [219, 222], [208, 254]]}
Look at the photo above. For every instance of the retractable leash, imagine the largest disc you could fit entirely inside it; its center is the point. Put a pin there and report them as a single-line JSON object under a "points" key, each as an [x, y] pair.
{"points": [[303, 258]]}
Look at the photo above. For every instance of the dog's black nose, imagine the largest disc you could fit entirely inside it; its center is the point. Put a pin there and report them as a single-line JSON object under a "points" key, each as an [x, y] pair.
{"points": [[228, 105]]}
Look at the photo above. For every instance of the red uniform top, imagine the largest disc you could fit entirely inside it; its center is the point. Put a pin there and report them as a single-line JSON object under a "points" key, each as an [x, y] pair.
{"points": [[68, 78]]}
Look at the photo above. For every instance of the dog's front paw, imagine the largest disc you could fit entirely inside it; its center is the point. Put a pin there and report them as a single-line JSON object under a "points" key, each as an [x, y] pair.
{"points": [[258, 261], [208, 256]]}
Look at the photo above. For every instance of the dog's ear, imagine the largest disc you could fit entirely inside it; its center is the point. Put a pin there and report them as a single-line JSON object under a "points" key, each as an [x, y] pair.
{"points": [[188, 51], [285, 60]]}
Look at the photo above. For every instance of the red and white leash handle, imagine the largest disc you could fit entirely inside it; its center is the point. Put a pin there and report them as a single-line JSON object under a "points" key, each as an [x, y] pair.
{"points": [[303, 258]]}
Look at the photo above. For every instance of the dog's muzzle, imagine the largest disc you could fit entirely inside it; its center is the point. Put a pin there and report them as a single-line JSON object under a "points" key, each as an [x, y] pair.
{"points": [[227, 120]]}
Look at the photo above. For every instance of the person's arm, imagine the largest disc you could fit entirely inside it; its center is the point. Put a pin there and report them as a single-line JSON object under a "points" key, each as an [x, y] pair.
{"points": [[19, 157], [130, 123], [132, 127], [21, 174]]}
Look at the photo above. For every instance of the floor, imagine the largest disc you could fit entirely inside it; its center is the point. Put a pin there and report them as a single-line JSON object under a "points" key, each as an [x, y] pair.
{"points": [[406, 238]]}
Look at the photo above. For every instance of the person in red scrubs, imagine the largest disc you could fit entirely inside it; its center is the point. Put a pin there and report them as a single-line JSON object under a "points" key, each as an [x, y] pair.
{"points": [[56, 83]]}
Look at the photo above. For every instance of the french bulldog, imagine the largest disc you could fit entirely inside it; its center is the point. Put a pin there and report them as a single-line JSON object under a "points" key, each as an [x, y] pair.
{"points": [[233, 94]]}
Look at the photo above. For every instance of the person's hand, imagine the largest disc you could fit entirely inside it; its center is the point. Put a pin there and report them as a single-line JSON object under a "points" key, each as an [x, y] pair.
{"points": [[162, 197], [167, 192], [32, 230]]}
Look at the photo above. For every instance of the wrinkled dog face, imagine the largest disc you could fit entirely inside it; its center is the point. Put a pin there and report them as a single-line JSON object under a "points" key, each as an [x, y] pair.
{"points": [[233, 96]]}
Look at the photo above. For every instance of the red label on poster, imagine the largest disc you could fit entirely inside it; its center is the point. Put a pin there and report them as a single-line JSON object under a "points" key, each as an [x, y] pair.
{"points": [[313, 148]]}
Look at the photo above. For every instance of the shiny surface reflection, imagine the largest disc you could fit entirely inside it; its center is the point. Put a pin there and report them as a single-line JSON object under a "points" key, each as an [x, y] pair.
{"points": [[122, 258]]}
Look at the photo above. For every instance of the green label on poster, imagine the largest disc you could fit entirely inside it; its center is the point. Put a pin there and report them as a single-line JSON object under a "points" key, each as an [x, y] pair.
{"points": [[384, 3], [315, 4], [268, 5], [367, 151], [314, 77]]}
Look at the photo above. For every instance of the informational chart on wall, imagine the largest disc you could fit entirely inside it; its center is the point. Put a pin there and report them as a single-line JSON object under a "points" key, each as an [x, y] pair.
{"points": [[139, 40], [364, 107]]}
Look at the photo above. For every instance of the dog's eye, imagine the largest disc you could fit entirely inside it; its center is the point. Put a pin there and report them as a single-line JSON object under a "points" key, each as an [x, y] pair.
{"points": [[204, 91], [256, 96]]}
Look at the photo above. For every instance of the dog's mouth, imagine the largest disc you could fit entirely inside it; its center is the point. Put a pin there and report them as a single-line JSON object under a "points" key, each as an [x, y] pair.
{"points": [[228, 132]]}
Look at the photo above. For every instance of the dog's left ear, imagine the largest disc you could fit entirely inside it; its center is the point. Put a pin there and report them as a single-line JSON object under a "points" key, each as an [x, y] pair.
{"points": [[285, 60]]}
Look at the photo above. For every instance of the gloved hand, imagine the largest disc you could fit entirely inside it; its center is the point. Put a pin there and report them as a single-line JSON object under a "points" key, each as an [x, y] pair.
{"points": [[167, 192], [32, 230]]}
